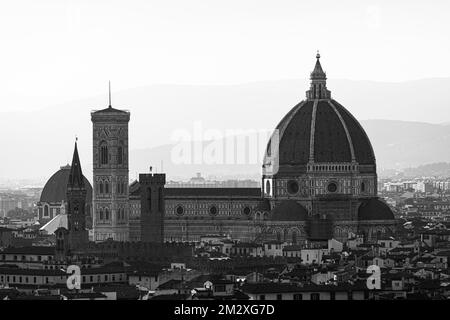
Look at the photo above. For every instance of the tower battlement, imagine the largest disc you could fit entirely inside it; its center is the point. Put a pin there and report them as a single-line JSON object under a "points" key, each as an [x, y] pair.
{"points": [[152, 178]]}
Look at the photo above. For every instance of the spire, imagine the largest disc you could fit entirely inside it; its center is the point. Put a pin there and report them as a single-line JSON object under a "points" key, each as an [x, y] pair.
{"points": [[109, 87], [318, 89], [75, 176], [318, 71]]}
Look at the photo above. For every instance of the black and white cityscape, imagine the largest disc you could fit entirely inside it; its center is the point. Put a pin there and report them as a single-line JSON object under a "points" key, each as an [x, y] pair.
{"points": [[226, 151]]}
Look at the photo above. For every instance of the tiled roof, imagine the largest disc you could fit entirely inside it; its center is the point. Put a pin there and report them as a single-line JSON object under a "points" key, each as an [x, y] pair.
{"points": [[292, 248], [32, 272], [171, 284], [35, 250], [265, 288], [170, 297], [247, 245], [110, 110], [213, 192]]}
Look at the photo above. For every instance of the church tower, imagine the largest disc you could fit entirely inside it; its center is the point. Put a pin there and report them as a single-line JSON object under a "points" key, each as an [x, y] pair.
{"points": [[152, 207], [76, 205], [110, 181]]}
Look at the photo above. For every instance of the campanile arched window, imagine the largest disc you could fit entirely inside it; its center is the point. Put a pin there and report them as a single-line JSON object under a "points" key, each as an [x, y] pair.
{"points": [[120, 154], [149, 198], [103, 152], [160, 199]]}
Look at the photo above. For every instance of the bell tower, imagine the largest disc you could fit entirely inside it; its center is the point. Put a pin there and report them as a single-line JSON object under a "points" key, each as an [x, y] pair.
{"points": [[76, 205], [110, 180]]}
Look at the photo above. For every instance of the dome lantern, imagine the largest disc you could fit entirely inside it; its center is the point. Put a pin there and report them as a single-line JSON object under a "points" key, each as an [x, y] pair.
{"points": [[318, 89]]}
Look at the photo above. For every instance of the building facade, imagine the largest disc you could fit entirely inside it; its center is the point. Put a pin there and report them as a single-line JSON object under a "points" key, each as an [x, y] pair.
{"points": [[192, 213], [110, 179], [319, 182]]}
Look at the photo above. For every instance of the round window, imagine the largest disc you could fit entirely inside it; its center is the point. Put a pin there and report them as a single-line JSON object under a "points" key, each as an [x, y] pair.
{"points": [[292, 187], [180, 210], [332, 187], [247, 211], [213, 210]]}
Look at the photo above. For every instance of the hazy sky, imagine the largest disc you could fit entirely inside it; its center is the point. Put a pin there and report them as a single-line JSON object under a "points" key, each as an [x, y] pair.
{"points": [[54, 51]]}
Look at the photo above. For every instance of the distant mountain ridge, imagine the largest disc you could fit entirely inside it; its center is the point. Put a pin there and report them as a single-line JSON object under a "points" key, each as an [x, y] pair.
{"points": [[36, 143], [440, 169]]}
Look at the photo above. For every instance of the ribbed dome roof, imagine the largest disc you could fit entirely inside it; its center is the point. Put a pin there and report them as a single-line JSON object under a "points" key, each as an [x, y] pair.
{"points": [[374, 209], [327, 134], [320, 130], [289, 210], [56, 187]]}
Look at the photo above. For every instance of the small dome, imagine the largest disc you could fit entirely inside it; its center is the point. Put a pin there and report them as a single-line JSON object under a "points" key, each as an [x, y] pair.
{"points": [[289, 210], [56, 187], [374, 209], [263, 205]]}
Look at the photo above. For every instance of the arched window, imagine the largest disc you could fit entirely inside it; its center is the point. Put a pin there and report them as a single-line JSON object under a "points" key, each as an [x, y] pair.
{"points": [[101, 214], [294, 237], [100, 187], [363, 187], [106, 187], [149, 198], [46, 210], [278, 236], [106, 214], [160, 199], [120, 154], [103, 152]]}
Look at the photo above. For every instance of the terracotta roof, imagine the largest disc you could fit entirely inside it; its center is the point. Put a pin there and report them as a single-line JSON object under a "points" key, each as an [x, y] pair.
{"points": [[49, 251]]}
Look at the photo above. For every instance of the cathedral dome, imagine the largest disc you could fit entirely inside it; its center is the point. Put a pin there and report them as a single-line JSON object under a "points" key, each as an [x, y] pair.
{"points": [[56, 187], [321, 130], [289, 210], [374, 209]]}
